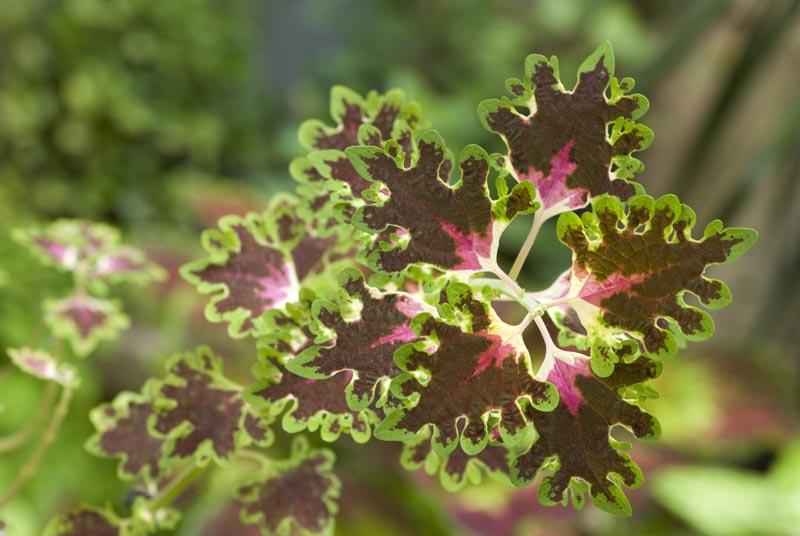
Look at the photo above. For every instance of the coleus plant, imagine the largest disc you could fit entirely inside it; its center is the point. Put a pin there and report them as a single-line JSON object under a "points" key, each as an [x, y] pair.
{"points": [[370, 298], [95, 257]]}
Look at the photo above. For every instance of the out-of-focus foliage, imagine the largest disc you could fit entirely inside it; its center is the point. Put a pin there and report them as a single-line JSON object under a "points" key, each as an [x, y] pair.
{"points": [[106, 105], [720, 501]]}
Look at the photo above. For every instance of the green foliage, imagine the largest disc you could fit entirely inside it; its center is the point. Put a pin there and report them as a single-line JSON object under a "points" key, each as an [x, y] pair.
{"points": [[103, 102], [728, 502]]}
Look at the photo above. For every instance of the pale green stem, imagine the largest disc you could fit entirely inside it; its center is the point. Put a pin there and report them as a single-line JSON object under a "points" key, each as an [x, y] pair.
{"points": [[32, 463], [177, 487], [18, 438], [522, 255], [517, 291], [192, 473], [254, 456]]}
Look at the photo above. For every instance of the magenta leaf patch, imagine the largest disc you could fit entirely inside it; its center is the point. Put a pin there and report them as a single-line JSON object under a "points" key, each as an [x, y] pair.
{"points": [[465, 372], [571, 145], [420, 218], [85, 321], [632, 268], [358, 336], [197, 411], [247, 272], [574, 447], [123, 432], [293, 496]]}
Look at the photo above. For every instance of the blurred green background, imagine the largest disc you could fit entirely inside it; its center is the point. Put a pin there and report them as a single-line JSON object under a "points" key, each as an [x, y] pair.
{"points": [[161, 116]]}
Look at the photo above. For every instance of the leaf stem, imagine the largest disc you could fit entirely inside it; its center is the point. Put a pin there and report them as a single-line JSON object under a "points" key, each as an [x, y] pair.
{"points": [[180, 483], [520, 328], [254, 456], [553, 352], [522, 255], [517, 291], [32, 463], [18, 438], [177, 486]]}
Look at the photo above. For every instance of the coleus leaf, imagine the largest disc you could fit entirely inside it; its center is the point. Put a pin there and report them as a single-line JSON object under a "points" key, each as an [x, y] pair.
{"points": [[294, 496], [85, 321], [200, 413], [420, 218], [123, 432], [69, 244], [42, 365], [86, 521], [308, 404], [126, 263], [258, 263], [632, 269], [574, 447], [470, 369], [370, 121], [350, 111], [92, 251], [571, 145], [358, 337], [457, 469], [94, 521]]}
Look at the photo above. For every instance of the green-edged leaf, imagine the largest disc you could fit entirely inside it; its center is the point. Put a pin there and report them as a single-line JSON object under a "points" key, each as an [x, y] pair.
{"points": [[457, 469], [126, 263], [93, 251], [309, 404], [294, 496], [632, 269], [574, 448], [258, 263], [469, 374], [70, 244], [420, 218], [42, 365], [85, 321], [369, 121], [123, 432], [246, 272], [198, 411], [350, 111], [306, 403], [571, 145], [358, 335], [93, 521], [86, 521]]}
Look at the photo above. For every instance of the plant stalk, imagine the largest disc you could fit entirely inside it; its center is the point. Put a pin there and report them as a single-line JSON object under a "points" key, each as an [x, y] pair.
{"points": [[32, 464]]}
